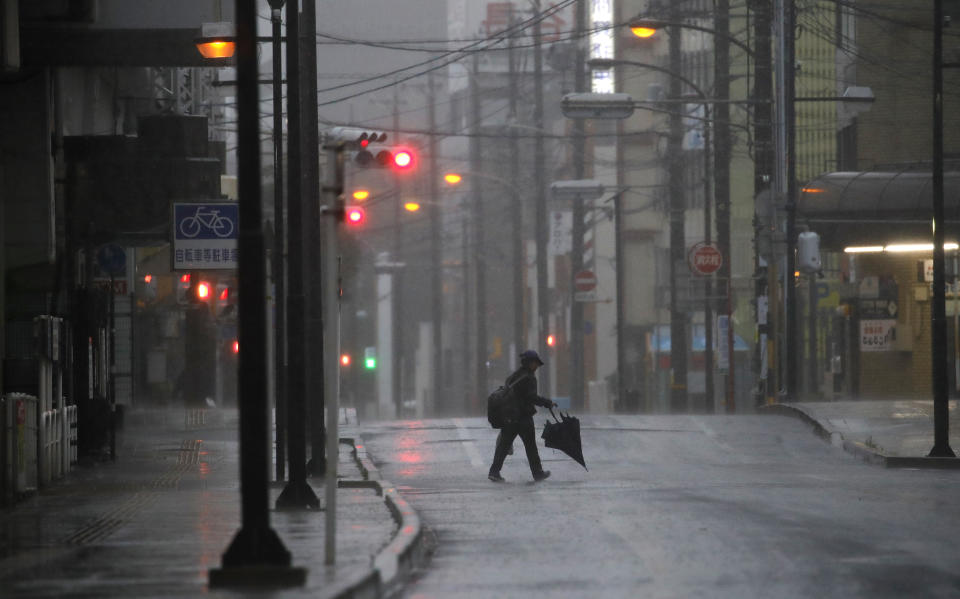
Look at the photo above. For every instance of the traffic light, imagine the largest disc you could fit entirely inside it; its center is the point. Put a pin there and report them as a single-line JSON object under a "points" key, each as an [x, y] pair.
{"points": [[398, 159], [202, 291], [354, 216], [370, 358], [551, 341], [183, 288], [344, 360], [411, 206]]}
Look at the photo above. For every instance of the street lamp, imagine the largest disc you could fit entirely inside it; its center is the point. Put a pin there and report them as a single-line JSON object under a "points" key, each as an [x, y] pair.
{"points": [[217, 40]]}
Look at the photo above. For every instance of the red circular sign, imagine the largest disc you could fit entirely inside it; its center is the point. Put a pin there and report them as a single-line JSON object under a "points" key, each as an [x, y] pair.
{"points": [[585, 280], [705, 259]]}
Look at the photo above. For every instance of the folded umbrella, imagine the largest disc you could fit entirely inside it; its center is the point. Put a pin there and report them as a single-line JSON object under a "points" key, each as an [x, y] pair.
{"points": [[564, 434]]}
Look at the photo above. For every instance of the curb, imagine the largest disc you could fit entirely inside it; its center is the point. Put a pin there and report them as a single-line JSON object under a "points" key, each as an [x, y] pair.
{"points": [[858, 449], [403, 553]]}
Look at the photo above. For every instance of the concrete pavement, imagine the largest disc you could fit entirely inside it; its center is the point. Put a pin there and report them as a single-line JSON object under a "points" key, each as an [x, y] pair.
{"points": [[154, 522], [894, 433]]}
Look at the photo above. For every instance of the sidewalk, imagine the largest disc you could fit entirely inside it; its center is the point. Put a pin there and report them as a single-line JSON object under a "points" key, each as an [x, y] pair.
{"points": [[894, 433], [154, 522]]}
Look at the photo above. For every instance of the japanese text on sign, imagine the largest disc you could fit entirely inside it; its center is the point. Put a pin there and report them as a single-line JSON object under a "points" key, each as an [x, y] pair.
{"points": [[205, 236], [877, 335]]}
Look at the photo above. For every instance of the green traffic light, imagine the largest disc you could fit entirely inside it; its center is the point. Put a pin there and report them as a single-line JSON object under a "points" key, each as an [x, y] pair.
{"points": [[370, 363]]}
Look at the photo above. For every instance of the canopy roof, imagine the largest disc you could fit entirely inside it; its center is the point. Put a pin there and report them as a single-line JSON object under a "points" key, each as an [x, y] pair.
{"points": [[876, 208]]}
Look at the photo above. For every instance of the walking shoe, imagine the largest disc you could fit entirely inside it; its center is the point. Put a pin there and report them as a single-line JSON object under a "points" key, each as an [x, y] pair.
{"points": [[544, 475], [496, 478]]}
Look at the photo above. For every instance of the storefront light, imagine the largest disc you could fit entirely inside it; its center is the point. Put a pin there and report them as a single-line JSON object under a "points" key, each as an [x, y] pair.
{"points": [[897, 248]]}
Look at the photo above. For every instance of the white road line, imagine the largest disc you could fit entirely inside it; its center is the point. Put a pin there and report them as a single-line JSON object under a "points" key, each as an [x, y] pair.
{"points": [[468, 445]]}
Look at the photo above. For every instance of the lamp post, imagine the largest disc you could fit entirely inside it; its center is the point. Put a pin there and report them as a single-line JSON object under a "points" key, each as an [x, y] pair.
{"points": [[256, 543]]}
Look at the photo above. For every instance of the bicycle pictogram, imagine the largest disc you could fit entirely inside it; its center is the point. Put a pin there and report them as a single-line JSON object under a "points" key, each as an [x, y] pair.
{"points": [[210, 220]]}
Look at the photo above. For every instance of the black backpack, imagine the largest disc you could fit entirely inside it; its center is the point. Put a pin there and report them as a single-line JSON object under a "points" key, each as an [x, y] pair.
{"points": [[502, 406]]}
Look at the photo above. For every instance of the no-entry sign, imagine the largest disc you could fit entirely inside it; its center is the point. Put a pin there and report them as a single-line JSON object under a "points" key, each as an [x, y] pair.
{"points": [[704, 259], [585, 286]]}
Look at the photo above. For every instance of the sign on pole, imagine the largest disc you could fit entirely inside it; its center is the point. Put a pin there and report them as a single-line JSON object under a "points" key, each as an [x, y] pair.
{"points": [[205, 236], [561, 232], [585, 286], [704, 259]]}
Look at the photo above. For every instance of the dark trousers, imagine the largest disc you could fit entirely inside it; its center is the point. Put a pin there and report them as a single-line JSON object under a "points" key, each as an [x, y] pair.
{"points": [[528, 434]]}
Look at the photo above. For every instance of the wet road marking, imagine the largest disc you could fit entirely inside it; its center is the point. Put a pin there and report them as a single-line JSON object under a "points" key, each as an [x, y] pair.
{"points": [[468, 444]]}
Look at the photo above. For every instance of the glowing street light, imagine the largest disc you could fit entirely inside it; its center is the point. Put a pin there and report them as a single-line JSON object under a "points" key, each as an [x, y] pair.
{"points": [[217, 40], [643, 31]]}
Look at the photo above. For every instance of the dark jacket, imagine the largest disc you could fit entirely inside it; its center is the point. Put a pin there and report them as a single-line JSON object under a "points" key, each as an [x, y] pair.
{"points": [[525, 392]]}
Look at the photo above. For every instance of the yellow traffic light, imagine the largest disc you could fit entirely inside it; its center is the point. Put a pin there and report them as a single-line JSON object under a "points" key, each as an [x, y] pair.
{"points": [[411, 206], [452, 178], [361, 194]]}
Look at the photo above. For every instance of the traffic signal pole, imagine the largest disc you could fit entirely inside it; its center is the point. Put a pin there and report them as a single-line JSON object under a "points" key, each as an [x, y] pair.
{"points": [[333, 206]]}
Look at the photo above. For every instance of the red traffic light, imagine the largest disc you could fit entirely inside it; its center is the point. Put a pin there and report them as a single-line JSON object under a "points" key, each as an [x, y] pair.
{"points": [[203, 290], [551, 340], [403, 159], [354, 215], [345, 360], [235, 346]]}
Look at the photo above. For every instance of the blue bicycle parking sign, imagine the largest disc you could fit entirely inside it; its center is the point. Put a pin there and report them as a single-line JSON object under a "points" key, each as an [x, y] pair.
{"points": [[205, 236]]}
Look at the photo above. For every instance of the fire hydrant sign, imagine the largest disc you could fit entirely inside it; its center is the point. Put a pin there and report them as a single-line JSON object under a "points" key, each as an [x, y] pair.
{"points": [[878, 335], [205, 236]]}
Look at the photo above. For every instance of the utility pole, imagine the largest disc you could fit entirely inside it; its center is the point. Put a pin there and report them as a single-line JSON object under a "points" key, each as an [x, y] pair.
{"points": [[764, 276], [279, 264], [312, 238], [540, 216], [479, 250], [576, 252], [678, 317], [786, 186], [938, 320], [436, 273], [397, 287], [721, 174], [793, 349], [297, 494], [516, 207]]}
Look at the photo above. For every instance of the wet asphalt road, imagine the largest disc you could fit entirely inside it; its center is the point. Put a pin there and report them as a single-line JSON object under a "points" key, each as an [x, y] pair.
{"points": [[673, 506]]}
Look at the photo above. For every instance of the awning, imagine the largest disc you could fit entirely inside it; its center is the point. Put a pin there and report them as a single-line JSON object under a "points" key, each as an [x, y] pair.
{"points": [[876, 208]]}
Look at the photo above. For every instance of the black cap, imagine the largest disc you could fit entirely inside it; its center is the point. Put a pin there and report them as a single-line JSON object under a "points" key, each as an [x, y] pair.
{"points": [[530, 355]]}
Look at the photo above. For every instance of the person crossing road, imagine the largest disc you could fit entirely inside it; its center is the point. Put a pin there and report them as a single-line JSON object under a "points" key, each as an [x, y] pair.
{"points": [[526, 398]]}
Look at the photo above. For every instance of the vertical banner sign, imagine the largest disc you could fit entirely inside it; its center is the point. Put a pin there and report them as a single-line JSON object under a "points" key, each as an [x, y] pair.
{"points": [[205, 236], [723, 349], [561, 232]]}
